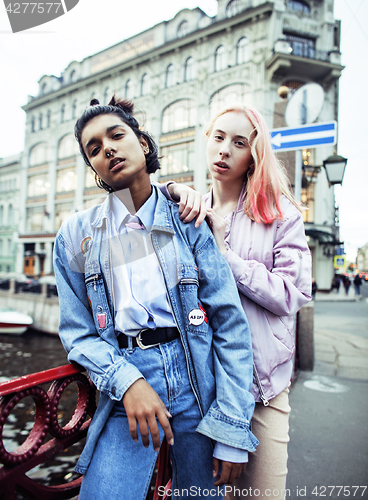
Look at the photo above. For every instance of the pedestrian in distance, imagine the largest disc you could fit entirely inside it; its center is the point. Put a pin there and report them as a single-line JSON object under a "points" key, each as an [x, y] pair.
{"points": [[347, 284], [258, 227], [149, 307], [357, 284], [314, 288]]}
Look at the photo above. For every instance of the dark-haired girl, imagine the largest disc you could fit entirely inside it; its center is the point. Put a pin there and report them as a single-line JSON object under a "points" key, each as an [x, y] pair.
{"points": [[149, 307]]}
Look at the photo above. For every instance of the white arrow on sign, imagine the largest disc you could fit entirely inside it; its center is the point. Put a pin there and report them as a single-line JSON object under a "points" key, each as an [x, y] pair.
{"points": [[306, 136]]}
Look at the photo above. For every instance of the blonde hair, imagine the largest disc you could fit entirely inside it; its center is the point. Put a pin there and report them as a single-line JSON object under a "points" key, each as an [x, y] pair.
{"points": [[266, 178]]}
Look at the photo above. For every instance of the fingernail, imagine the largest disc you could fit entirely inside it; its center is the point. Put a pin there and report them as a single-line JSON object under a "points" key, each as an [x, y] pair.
{"points": [[168, 414], [214, 473], [135, 440], [157, 449], [171, 442]]}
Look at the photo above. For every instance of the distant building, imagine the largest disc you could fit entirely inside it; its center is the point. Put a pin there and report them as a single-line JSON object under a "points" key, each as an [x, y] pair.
{"points": [[362, 258], [9, 211], [176, 72]]}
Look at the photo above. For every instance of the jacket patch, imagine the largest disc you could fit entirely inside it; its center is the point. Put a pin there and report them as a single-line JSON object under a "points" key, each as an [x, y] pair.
{"points": [[101, 318], [85, 244]]}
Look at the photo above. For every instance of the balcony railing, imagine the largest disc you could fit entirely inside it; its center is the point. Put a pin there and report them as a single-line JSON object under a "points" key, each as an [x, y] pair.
{"points": [[37, 449]]}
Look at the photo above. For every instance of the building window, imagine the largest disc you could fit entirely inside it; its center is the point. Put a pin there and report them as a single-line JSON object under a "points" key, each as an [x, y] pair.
{"points": [[307, 198], [238, 92], [62, 113], [35, 219], [10, 215], [44, 88], [233, 8], [129, 89], [242, 54], [74, 109], [67, 147], [183, 29], [1, 215], [303, 47], [38, 185], [169, 79], [89, 178], [177, 159], [10, 249], [37, 155], [299, 7], [189, 69], [145, 85], [106, 95], [73, 76], [48, 119], [180, 115], [61, 213], [65, 180], [1, 247], [40, 121], [220, 58], [33, 124]]}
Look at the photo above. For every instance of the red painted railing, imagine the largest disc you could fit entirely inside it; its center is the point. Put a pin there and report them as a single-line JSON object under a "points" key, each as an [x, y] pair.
{"points": [[34, 450]]}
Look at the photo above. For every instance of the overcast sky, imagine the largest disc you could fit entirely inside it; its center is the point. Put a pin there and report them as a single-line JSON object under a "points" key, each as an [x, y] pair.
{"points": [[94, 25]]}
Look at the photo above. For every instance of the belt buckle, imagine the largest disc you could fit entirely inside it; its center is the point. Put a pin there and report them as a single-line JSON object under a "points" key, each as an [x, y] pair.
{"points": [[139, 341]]}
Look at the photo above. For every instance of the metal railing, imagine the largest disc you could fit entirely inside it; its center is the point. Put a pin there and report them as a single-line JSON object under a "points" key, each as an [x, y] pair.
{"points": [[36, 450]]}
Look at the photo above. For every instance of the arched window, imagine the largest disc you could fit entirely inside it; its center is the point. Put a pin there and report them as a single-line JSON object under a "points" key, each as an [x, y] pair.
{"points": [[169, 80], [242, 50], [74, 109], [129, 89], [299, 6], [10, 247], [10, 215], [233, 8], [67, 147], [62, 113], [73, 76], [107, 93], [38, 155], [189, 69], [237, 92], [220, 58], [183, 29], [40, 121], [43, 88], [179, 115], [145, 84]]}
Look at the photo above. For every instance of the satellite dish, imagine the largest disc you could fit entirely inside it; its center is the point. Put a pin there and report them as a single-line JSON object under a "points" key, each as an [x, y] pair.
{"points": [[305, 105]]}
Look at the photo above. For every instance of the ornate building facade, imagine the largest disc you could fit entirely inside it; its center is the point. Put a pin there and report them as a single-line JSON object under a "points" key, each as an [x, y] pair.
{"points": [[176, 73]]}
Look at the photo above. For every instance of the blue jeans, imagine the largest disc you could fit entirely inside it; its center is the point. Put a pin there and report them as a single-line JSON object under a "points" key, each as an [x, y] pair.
{"points": [[122, 469]]}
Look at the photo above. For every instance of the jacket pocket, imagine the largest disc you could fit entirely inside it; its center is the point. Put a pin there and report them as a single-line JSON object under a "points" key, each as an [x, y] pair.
{"points": [[195, 316]]}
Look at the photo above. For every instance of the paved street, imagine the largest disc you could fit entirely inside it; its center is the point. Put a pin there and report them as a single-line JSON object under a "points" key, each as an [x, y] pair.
{"points": [[329, 423]]}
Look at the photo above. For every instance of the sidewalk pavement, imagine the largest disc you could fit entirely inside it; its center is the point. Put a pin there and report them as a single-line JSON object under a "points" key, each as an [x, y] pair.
{"points": [[341, 295], [328, 446]]}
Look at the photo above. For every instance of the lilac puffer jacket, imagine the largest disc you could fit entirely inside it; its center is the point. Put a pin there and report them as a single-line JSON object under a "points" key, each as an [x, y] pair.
{"points": [[271, 265]]}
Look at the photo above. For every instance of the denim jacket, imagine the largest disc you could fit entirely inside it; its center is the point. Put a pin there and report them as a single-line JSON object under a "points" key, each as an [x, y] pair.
{"points": [[218, 351]]}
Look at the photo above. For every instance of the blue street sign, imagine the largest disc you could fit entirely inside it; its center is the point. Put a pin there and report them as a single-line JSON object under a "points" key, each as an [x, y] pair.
{"points": [[306, 136]]}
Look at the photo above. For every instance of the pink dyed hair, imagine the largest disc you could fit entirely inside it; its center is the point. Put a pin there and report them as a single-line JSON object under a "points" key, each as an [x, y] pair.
{"points": [[266, 178]]}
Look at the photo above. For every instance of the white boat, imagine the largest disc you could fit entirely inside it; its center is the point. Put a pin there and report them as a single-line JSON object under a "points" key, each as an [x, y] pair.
{"points": [[14, 322]]}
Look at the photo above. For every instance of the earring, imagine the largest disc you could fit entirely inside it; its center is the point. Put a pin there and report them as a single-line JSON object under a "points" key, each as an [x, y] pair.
{"points": [[146, 151]]}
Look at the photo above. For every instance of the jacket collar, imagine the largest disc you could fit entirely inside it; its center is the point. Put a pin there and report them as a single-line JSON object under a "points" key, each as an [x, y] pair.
{"points": [[162, 219]]}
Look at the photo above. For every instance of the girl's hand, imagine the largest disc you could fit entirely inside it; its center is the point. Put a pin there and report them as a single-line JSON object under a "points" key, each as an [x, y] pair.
{"points": [[143, 405], [191, 206], [218, 226], [229, 471]]}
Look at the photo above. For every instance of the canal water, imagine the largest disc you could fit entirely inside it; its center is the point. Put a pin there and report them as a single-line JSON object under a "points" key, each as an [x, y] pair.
{"points": [[29, 353]]}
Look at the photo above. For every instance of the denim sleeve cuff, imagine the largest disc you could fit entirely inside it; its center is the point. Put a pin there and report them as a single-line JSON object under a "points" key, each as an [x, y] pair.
{"points": [[229, 454], [118, 379]]}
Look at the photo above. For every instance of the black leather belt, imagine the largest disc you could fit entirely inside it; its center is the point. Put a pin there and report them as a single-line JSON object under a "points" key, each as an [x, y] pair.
{"points": [[149, 338]]}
